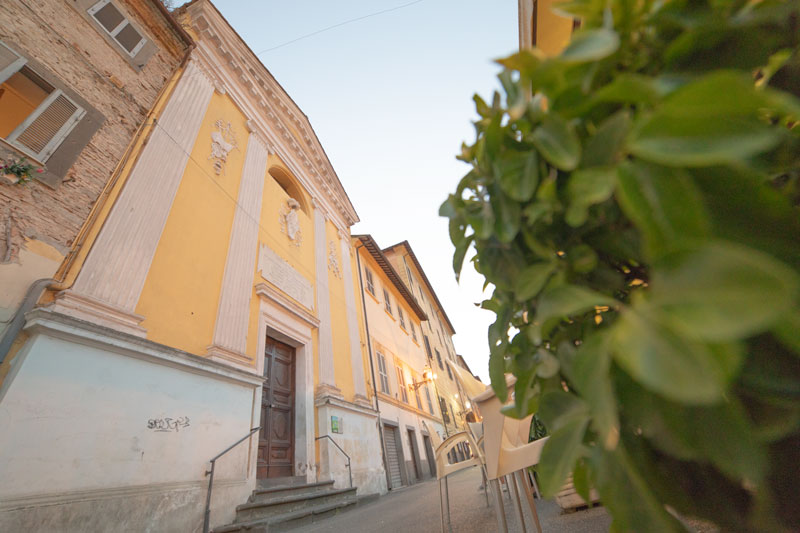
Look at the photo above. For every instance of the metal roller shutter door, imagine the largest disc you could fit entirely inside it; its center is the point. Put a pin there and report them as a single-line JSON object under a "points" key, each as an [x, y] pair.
{"points": [[391, 456]]}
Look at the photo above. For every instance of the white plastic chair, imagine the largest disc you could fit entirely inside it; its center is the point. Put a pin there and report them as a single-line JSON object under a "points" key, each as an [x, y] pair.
{"points": [[506, 450], [444, 468]]}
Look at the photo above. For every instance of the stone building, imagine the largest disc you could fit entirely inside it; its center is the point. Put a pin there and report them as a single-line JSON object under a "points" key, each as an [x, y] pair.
{"points": [[77, 81], [214, 292], [437, 334], [202, 287], [406, 398]]}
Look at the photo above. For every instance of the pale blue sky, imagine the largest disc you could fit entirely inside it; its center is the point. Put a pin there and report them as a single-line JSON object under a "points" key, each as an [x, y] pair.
{"points": [[390, 98]]}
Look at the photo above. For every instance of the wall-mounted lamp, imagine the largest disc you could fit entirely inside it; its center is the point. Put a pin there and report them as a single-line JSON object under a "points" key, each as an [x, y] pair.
{"points": [[427, 377]]}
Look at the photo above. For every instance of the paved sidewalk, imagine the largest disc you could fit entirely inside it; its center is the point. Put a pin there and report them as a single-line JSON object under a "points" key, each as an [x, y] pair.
{"points": [[416, 510]]}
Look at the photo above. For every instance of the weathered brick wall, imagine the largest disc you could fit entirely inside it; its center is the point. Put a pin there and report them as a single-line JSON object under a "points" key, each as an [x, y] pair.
{"points": [[53, 33]]}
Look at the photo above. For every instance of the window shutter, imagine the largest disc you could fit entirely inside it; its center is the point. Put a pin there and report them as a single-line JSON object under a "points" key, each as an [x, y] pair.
{"points": [[44, 130], [10, 62]]}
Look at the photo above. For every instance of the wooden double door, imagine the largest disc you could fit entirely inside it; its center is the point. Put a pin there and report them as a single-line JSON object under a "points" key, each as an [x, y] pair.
{"points": [[276, 438]]}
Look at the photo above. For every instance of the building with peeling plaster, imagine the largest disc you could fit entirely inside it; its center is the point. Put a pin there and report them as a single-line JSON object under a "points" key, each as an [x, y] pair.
{"points": [[215, 291]]}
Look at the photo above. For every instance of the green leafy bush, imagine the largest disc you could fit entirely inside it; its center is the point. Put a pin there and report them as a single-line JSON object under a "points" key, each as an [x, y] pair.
{"points": [[634, 204]]}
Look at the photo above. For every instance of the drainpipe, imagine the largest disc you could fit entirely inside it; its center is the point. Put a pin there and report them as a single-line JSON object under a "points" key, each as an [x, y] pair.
{"points": [[18, 320], [371, 364]]}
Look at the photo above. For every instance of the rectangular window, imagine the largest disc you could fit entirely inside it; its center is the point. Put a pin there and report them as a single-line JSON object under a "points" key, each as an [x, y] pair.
{"points": [[413, 331], [370, 282], [439, 360], [419, 400], [383, 374], [449, 372], [427, 346], [111, 19], [443, 409], [34, 116], [387, 303], [428, 398], [408, 273], [401, 384], [401, 317]]}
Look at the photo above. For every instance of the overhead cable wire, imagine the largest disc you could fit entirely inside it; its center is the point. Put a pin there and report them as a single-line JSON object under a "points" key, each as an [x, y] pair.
{"points": [[317, 32]]}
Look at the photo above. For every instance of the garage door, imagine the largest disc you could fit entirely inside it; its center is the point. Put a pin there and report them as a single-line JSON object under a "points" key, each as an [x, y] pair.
{"points": [[390, 438]]}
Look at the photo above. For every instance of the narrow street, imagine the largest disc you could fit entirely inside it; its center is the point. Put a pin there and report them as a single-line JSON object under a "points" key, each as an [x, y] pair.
{"points": [[416, 509]]}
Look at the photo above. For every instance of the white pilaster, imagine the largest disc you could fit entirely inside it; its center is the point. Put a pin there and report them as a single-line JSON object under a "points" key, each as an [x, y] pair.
{"points": [[327, 380], [116, 268], [356, 361], [230, 329]]}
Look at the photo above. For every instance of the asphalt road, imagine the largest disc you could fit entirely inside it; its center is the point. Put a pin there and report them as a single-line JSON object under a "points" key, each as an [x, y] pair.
{"points": [[415, 509]]}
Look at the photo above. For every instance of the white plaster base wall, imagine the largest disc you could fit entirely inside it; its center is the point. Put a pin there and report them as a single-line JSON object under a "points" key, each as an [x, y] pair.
{"points": [[81, 447], [361, 441], [168, 508]]}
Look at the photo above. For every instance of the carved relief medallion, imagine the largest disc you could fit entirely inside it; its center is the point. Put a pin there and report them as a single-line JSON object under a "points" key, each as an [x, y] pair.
{"points": [[223, 140]]}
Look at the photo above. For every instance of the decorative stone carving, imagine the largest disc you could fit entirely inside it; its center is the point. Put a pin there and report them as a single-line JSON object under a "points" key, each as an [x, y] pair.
{"points": [[333, 260], [290, 222], [222, 142]]}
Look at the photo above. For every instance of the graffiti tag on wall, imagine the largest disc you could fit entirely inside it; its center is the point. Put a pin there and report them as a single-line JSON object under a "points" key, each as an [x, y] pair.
{"points": [[168, 424]]}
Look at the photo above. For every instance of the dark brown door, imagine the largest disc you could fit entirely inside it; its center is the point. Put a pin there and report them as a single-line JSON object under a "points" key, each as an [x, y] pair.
{"points": [[276, 438], [429, 452]]}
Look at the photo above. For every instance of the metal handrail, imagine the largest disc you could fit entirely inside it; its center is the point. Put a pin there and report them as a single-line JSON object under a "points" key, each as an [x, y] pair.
{"points": [[207, 512], [349, 471]]}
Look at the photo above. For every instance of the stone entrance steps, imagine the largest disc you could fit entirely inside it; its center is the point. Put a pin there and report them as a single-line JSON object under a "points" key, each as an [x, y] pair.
{"points": [[285, 507]]}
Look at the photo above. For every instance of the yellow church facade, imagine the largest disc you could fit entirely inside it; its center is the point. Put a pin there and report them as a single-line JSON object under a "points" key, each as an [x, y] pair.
{"points": [[216, 293]]}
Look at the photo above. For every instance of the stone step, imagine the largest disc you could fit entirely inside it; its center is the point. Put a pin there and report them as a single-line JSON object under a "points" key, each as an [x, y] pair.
{"points": [[282, 505], [269, 494], [287, 481], [289, 521]]}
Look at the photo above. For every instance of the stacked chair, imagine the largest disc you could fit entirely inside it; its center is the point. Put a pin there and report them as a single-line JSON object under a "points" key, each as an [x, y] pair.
{"points": [[500, 445]]}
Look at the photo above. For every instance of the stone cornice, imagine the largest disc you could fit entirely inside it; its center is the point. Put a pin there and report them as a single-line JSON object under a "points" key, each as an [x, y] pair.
{"points": [[267, 103], [267, 291], [47, 322]]}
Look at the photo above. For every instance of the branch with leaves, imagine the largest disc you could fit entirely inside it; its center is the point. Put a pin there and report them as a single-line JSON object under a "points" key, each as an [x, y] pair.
{"points": [[633, 203]]}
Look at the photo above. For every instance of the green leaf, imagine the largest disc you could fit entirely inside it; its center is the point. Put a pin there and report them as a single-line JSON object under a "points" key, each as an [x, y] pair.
{"points": [[721, 291], [712, 121], [628, 88], [591, 45], [587, 187], [532, 280], [564, 301], [546, 364], [560, 452], [557, 408], [582, 258], [787, 328], [605, 147], [667, 363], [518, 174], [557, 141], [448, 207], [481, 106], [664, 204], [507, 216], [591, 376], [497, 376], [458, 256], [580, 478], [628, 496]]}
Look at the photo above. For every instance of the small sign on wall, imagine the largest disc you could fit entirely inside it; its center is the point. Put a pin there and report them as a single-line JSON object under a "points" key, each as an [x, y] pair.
{"points": [[336, 424]]}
